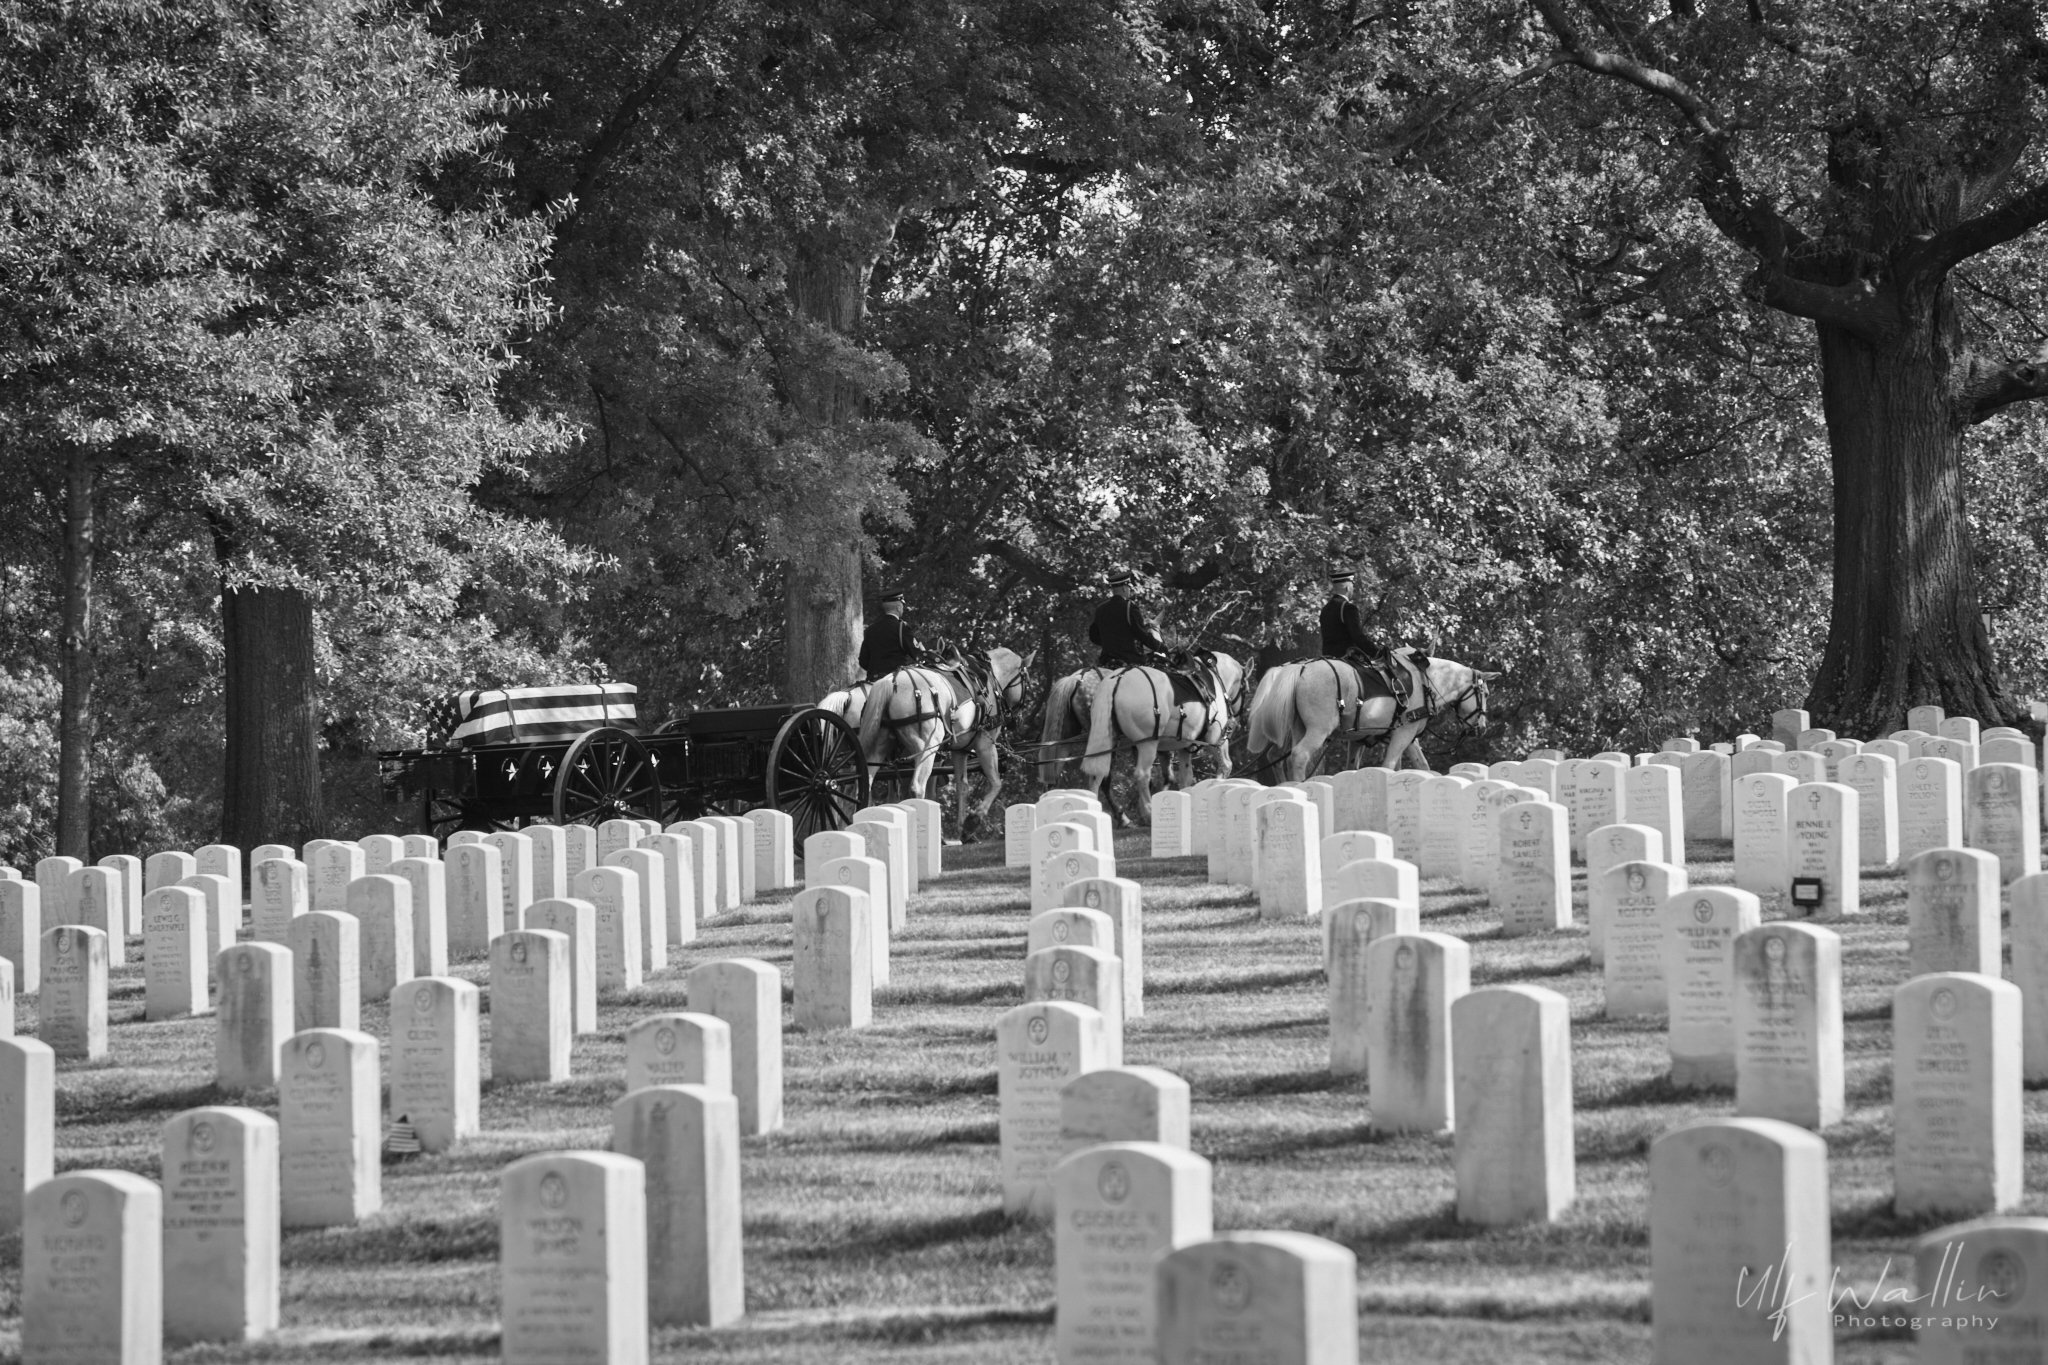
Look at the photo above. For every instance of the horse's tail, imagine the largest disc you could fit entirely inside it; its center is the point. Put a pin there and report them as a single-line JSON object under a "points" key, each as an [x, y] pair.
{"points": [[1059, 704], [1273, 722], [875, 713], [1101, 732]]}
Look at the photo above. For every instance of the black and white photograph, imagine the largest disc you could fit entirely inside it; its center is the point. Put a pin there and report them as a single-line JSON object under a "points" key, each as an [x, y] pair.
{"points": [[1023, 682]]}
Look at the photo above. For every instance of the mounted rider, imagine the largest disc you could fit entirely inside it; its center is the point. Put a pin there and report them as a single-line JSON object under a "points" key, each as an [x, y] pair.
{"points": [[1119, 629], [1406, 672], [888, 644]]}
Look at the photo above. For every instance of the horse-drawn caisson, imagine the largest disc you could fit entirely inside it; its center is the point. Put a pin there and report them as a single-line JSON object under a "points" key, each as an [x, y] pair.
{"points": [[505, 757]]}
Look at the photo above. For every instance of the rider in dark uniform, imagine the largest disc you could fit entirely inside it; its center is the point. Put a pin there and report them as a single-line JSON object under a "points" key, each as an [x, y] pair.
{"points": [[1119, 628], [888, 644], [1343, 628]]}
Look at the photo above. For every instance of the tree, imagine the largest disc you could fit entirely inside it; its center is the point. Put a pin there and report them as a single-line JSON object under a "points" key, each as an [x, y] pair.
{"points": [[236, 281], [1875, 165]]}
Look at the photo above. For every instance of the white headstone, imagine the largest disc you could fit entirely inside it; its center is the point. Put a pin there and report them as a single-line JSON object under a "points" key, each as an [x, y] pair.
{"points": [[775, 850], [1290, 874], [1631, 899], [54, 878], [1823, 827], [1019, 821], [92, 1285], [572, 1260], [532, 1010], [129, 867], [550, 862], [167, 869], [687, 1137], [257, 1012], [330, 868], [1739, 1245], [1987, 1283], [870, 877], [889, 844], [327, 971], [174, 953], [1532, 887], [1952, 922], [1513, 1090], [615, 893], [1120, 1206], [436, 1057], [833, 958], [1956, 1095], [747, 994], [475, 886], [1123, 901], [651, 870], [280, 897], [679, 881], [1039, 1048], [1274, 1298], [1172, 825], [515, 874], [1404, 813], [1653, 796], [1125, 1104], [96, 903], [579, 850], [1788, 1024], [213, 891], [1606, 849], [222, 1217], [575, 920], [1700, 929], [28, 1105], [21, 934], [1930, 805], [382, 905], [71, 1012], [1413, 979], [428, 878], [1086, 976], [1353, 926], [2002, 816], [329, 1137]]}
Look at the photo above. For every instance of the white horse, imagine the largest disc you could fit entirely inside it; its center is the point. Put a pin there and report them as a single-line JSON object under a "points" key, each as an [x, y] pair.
{"points": [[1065, 731], [916, 712], [1299, 706], [1137, 705]]}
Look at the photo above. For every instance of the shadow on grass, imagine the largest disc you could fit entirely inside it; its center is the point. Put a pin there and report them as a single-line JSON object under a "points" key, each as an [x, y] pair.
{"points": [[1650, 1090], [389, 1242], [979, 1133], [1292, 1143], [1212, 982], [1197, 1029], [1569, 966], [108, 1104], [1277, 1083], [895, 1238], [898, 1086], [1876, 1220], [939, 993]]}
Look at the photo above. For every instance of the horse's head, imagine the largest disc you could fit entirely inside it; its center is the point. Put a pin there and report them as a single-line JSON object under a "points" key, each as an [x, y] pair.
{"points": [[1009, 670], [1232, 678], [1467, 688]]}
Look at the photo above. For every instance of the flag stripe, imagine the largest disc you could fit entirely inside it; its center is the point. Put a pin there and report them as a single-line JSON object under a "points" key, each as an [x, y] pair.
{"points": [[541, 713]]}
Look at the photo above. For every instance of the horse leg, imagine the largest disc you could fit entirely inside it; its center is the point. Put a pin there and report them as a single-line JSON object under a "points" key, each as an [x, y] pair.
{"points": [[985, 750], [1144, 758], [1398, 740]]}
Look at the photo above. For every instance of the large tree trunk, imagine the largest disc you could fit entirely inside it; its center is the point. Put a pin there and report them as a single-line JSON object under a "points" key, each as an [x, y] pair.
{"points": [[1906, 629], [74, 717], [273, 718], [828, 284]]}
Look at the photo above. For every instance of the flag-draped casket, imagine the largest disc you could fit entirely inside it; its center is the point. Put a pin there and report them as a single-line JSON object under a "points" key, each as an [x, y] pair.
{"points": [[525, 715]]}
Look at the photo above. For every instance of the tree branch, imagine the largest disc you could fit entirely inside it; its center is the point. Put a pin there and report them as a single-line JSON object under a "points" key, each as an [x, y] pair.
{"points": [[1033, 568], [1989, 390], [1747, 221], [1856, 307], [1975, 236], [611, 135]]}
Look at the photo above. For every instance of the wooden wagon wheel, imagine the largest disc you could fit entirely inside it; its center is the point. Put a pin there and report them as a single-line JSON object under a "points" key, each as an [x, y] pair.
{"points": [[816, 772], [607, 775]]}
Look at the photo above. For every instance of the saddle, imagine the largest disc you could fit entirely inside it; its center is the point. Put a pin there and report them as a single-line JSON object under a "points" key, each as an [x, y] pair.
{"points": [[1194, 679]]}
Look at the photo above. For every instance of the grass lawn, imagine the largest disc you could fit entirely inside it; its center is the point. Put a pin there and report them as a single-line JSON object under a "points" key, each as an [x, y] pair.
{"points": [[873, 1223]]}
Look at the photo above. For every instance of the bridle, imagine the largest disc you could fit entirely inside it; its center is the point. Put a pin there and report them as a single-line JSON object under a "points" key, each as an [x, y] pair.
{"points": [[1455, 718]]}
